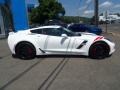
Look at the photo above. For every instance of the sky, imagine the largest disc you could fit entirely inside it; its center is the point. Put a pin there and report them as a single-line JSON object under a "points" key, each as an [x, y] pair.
{"points": [[86, 7]]}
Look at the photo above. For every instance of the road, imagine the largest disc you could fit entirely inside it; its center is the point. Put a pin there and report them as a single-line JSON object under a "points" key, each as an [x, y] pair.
{"points": [[112, 28], [60, 72]]}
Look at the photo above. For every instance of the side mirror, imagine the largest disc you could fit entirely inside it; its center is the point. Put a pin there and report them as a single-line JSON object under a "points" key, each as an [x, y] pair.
{"points": [[64, 35]]}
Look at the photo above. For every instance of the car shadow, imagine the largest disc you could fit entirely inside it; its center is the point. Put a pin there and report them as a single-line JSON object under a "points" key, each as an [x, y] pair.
{"points": [[71, 56], [62, 56]]}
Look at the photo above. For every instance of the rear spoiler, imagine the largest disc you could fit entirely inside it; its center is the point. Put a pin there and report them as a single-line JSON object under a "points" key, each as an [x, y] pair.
{"points": [[11, 33]]}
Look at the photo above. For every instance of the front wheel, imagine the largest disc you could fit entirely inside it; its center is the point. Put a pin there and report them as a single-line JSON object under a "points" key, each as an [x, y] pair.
{"points": [[99, 50], [25, 50]]}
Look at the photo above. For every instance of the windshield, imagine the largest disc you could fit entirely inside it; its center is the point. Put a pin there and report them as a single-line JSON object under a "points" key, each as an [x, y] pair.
{"points": [[68, 32]]}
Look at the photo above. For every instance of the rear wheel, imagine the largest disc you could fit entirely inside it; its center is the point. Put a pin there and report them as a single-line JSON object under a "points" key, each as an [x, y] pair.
{"points": [[25, 50], [99, 50]]}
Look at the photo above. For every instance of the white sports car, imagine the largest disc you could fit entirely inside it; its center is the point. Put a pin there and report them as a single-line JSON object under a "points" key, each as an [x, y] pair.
{"points": [[53, 40]]}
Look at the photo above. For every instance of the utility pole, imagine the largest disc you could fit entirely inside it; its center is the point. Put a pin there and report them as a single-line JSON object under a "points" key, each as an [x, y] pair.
{"points": [[106, 14], [96, 9]]}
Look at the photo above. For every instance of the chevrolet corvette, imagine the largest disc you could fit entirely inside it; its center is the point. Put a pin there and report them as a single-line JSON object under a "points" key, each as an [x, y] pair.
{"points": [[57, 40]]}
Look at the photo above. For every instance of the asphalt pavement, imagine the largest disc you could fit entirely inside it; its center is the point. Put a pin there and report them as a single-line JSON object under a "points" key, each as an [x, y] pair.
{"points": [[60, 72]]}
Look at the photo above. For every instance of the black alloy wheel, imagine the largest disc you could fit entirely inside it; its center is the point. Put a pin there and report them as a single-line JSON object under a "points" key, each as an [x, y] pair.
{"points": [[99, 50], [25, 50]]}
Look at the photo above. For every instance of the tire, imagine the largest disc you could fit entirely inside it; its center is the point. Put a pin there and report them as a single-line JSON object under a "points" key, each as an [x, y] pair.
{"points": [[14, 56], [25, 51], [99, 50]]}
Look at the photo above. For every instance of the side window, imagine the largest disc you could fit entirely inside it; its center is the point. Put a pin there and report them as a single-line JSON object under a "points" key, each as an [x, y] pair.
{"points": [[52, 31], [63, 31], [37, 31], [46, 31], [56, 32]]}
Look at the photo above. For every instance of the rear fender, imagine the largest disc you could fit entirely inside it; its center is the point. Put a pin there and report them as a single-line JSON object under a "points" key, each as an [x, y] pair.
{"points": [[33, 42]]}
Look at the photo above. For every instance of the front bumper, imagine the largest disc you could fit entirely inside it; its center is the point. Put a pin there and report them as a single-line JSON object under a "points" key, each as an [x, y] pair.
{"points": [[112, 48]]}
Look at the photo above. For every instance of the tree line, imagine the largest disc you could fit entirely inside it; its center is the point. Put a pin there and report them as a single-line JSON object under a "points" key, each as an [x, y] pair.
{"points": [[52, 9]]}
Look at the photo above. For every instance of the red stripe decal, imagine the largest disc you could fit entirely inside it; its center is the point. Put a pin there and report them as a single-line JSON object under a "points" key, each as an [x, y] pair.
{"points": [[98, 38]]}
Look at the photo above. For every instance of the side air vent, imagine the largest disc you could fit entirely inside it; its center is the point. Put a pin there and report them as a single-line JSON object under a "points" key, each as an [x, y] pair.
{"points": [[82, 44]]}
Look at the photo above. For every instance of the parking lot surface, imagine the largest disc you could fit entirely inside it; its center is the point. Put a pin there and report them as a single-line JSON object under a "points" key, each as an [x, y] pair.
{"points": [[60, 72]]}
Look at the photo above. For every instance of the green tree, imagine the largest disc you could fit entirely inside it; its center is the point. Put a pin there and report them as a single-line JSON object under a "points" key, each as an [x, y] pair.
{"points": [[75, 19], [47, 9]]}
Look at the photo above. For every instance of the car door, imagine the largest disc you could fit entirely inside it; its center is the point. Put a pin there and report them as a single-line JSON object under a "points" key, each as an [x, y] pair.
{"points": [[55, 43], [40, 37]]}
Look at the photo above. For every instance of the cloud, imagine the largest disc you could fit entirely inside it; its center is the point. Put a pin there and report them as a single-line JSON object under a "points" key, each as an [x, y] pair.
{"points": [[83, 8], [117, 6], [106, 4], [88, 12], [88, 1], [86, 5]]}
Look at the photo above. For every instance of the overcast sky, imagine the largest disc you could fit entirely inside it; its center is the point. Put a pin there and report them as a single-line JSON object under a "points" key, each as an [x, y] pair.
{"points": [[86, 7]]}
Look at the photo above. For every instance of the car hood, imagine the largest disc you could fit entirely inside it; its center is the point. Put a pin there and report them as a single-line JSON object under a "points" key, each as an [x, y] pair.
{"points": [[87, 34]]}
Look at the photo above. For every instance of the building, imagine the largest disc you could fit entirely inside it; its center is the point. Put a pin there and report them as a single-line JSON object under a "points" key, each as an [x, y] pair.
{"points": [[13, 16], [110, 18]]}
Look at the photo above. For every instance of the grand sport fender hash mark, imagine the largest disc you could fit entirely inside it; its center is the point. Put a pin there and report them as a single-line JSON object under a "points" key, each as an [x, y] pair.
{"points": [[98, 38], [49, 43], [82, 44]]}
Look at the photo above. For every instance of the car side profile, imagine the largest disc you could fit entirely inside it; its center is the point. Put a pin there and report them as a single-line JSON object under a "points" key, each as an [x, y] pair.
{"points": [[57, 40]]}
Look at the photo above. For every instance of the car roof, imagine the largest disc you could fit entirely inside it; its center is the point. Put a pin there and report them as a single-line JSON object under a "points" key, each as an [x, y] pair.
{"points": [[50, 26]]}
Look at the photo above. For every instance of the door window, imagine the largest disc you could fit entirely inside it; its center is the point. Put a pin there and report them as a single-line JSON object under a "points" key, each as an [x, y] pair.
{"points": [[52, 31], [37, 31]]}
